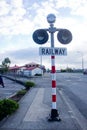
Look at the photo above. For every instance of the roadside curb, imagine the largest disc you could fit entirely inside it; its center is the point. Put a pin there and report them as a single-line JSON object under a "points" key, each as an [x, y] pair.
{"points": [[17, 81]]}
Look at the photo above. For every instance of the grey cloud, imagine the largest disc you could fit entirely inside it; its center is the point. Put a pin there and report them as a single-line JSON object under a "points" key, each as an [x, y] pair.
{"points": [[24, 53]]}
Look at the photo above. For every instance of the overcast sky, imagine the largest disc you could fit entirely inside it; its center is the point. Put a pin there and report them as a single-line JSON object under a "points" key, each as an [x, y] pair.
{"points": [[20, 18]]}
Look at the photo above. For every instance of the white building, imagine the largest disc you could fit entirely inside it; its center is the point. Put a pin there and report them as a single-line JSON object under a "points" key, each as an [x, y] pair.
{"points": [[32, 71]]}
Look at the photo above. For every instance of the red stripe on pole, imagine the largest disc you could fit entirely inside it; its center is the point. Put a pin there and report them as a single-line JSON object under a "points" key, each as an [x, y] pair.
{"points": [[53, 84], [53, 98], [53, 69], [52, 57]]}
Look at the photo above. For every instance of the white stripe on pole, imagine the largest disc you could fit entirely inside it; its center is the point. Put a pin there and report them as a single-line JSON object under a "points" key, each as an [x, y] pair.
{"points": [[53, 91], [53, 105], [53, 76]]}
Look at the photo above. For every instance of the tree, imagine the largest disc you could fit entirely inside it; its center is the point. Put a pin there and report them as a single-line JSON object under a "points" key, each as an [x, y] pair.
{"points": [[5, 65], [6, 62]]}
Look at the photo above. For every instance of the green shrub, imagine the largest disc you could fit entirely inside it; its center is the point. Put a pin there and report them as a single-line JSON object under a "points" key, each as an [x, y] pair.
{"points": [[7, 107], [21, 92], [29, 84]]}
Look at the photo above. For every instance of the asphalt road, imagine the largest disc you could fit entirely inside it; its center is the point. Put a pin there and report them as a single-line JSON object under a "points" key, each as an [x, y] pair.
{"points": [[75, 87], [71, 88], [11, 87]]}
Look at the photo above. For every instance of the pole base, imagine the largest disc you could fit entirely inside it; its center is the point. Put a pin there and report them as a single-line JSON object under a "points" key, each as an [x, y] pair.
{"points": [[54, 116]]}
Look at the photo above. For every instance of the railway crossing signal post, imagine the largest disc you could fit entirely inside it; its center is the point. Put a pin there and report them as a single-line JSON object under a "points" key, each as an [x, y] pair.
{"points": [[41, 36]]}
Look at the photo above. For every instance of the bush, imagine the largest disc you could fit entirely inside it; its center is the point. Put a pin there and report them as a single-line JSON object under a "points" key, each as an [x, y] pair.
{"points": [[21, 92], [29, 84], [7, 107], [18, 95]]}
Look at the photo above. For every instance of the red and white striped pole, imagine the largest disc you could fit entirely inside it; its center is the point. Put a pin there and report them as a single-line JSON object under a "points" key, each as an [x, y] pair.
{"points": [[53, 72], [54, 113]]}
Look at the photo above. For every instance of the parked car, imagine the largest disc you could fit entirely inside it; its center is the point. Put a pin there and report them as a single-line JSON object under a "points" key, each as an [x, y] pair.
{"points": [[85, 71]]}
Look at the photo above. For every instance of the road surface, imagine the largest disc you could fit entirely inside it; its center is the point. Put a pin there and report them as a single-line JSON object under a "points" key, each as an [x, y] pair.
{"points": [[11, 87], [71, 88], [75, 87]]}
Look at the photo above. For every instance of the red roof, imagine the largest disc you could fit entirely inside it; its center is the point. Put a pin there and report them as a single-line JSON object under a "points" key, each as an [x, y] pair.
{"points": [[14, 67], [27, 67]]}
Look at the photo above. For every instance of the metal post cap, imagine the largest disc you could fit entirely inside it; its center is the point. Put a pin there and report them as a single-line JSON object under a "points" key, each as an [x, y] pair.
{"points": [[51, 18]]}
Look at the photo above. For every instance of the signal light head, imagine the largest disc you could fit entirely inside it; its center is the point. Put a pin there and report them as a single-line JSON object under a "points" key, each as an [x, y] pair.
{"points": [[64, 36], [40, 36]]}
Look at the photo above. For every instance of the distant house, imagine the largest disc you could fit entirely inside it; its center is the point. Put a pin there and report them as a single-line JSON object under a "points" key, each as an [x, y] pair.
{"points": [[30, 69]]}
